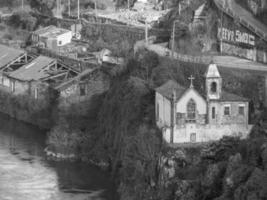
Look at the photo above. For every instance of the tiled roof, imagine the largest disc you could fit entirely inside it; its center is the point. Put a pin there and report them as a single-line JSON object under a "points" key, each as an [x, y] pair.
{"points": [[226, 96], [167, 89], [35, 70], [7, 55]]}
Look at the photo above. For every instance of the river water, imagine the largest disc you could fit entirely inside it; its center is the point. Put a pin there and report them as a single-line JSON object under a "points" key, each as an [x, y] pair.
{"points": [[26, 174]]}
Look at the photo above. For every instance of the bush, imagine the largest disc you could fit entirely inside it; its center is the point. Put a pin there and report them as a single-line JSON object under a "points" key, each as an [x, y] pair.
{"points": [[7, 36], [23, 20]]}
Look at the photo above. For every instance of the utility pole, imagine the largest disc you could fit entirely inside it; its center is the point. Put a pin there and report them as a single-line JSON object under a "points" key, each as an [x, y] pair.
{"points": [[179, 8], [128, 2], [221, 39], [78, 9], [95, 9], [59, 10], [173, 38], [69, 7], [146, 33], [22, 4]]}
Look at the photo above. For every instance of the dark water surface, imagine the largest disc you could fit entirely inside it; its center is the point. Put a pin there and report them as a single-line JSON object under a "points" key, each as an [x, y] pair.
{"points": [[26, 174]]}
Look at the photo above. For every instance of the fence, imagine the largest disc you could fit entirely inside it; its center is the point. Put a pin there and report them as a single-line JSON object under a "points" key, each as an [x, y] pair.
{"points": [[162, 51]]}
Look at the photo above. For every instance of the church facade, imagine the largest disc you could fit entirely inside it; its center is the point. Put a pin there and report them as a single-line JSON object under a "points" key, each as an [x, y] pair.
{"points": [[186, 116]]}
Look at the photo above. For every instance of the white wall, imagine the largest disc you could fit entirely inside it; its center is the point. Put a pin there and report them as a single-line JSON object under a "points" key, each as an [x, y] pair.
{"points": [[201, 104], [64, 38], [206, 133], [164, 110]]}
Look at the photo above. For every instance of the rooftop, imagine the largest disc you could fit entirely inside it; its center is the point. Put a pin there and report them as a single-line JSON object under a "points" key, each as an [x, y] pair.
{"points": [[8, 55], [226, 96], [68, 83], [51, 31], [169, 87], [212, 71], [35, 70]]}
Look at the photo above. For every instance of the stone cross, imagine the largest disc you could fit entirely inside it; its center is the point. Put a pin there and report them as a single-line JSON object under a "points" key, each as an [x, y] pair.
{"points": [[191, 78]]}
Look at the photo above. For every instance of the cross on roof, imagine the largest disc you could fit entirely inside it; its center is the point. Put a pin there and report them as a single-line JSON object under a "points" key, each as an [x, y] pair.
{"points": [[191, 78]]}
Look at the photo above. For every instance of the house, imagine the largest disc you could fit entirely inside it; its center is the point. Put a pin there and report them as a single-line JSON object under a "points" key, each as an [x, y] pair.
{"points": [[82, 87], [187, 116], [52, 37], [27, 79]]}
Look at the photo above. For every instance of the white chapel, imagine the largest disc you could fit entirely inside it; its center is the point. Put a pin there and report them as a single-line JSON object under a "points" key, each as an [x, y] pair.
{"points": [[186, 116]]}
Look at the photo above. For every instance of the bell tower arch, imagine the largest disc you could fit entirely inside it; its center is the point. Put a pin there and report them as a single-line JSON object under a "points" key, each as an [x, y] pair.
{"points": [[213, 83]]}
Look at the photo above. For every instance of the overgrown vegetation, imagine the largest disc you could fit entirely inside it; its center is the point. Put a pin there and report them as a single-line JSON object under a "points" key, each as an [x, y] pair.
{"points": [[124, 134], [23, 107]]}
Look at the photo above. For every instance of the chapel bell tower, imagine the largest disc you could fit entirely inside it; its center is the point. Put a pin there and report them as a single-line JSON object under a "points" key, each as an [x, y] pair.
{"points": [[213, 82]]}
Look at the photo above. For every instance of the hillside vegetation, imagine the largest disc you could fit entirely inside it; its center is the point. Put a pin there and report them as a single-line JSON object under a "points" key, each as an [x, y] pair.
{"points": [[124, 135]]}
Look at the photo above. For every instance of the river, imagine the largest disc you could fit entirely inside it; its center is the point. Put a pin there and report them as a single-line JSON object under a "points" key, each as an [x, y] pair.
{"points": [[26, 174]]}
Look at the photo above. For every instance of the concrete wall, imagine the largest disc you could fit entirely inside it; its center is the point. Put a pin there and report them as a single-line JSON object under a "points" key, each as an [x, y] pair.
{"points": [[233, 118], [238, 51], [164, 106], [34, 89], [20, 87], [96, 83]]}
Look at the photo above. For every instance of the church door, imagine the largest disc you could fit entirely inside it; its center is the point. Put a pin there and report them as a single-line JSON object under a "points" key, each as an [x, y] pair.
{"points": [[193, 137]]}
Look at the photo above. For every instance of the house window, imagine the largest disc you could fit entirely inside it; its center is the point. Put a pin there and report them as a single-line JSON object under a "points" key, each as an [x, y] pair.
{"points": [[157, 112], [227, 110], [213, 113], [191, 110], [213, 87], [241, 110], [82, 90]]}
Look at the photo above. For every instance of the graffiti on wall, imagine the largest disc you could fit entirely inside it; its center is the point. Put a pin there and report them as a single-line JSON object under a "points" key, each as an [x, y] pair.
{"points": [[235, 36]]}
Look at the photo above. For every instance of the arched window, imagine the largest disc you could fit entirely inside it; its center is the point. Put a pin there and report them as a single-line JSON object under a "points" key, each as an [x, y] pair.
{"points": [[191, 110], [213, 87]]}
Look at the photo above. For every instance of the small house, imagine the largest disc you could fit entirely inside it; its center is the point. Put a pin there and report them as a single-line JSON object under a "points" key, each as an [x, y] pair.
{"points": [[28, 78], [85, 85], [52, 37]]}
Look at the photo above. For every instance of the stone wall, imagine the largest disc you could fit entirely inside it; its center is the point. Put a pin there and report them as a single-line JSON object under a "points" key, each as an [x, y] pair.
{"points": [[206, 133], [93, 84]]}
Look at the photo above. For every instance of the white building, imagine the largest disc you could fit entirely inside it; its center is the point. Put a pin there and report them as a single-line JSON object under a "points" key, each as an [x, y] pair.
{"points": [[185, 115], [52, 37]]}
